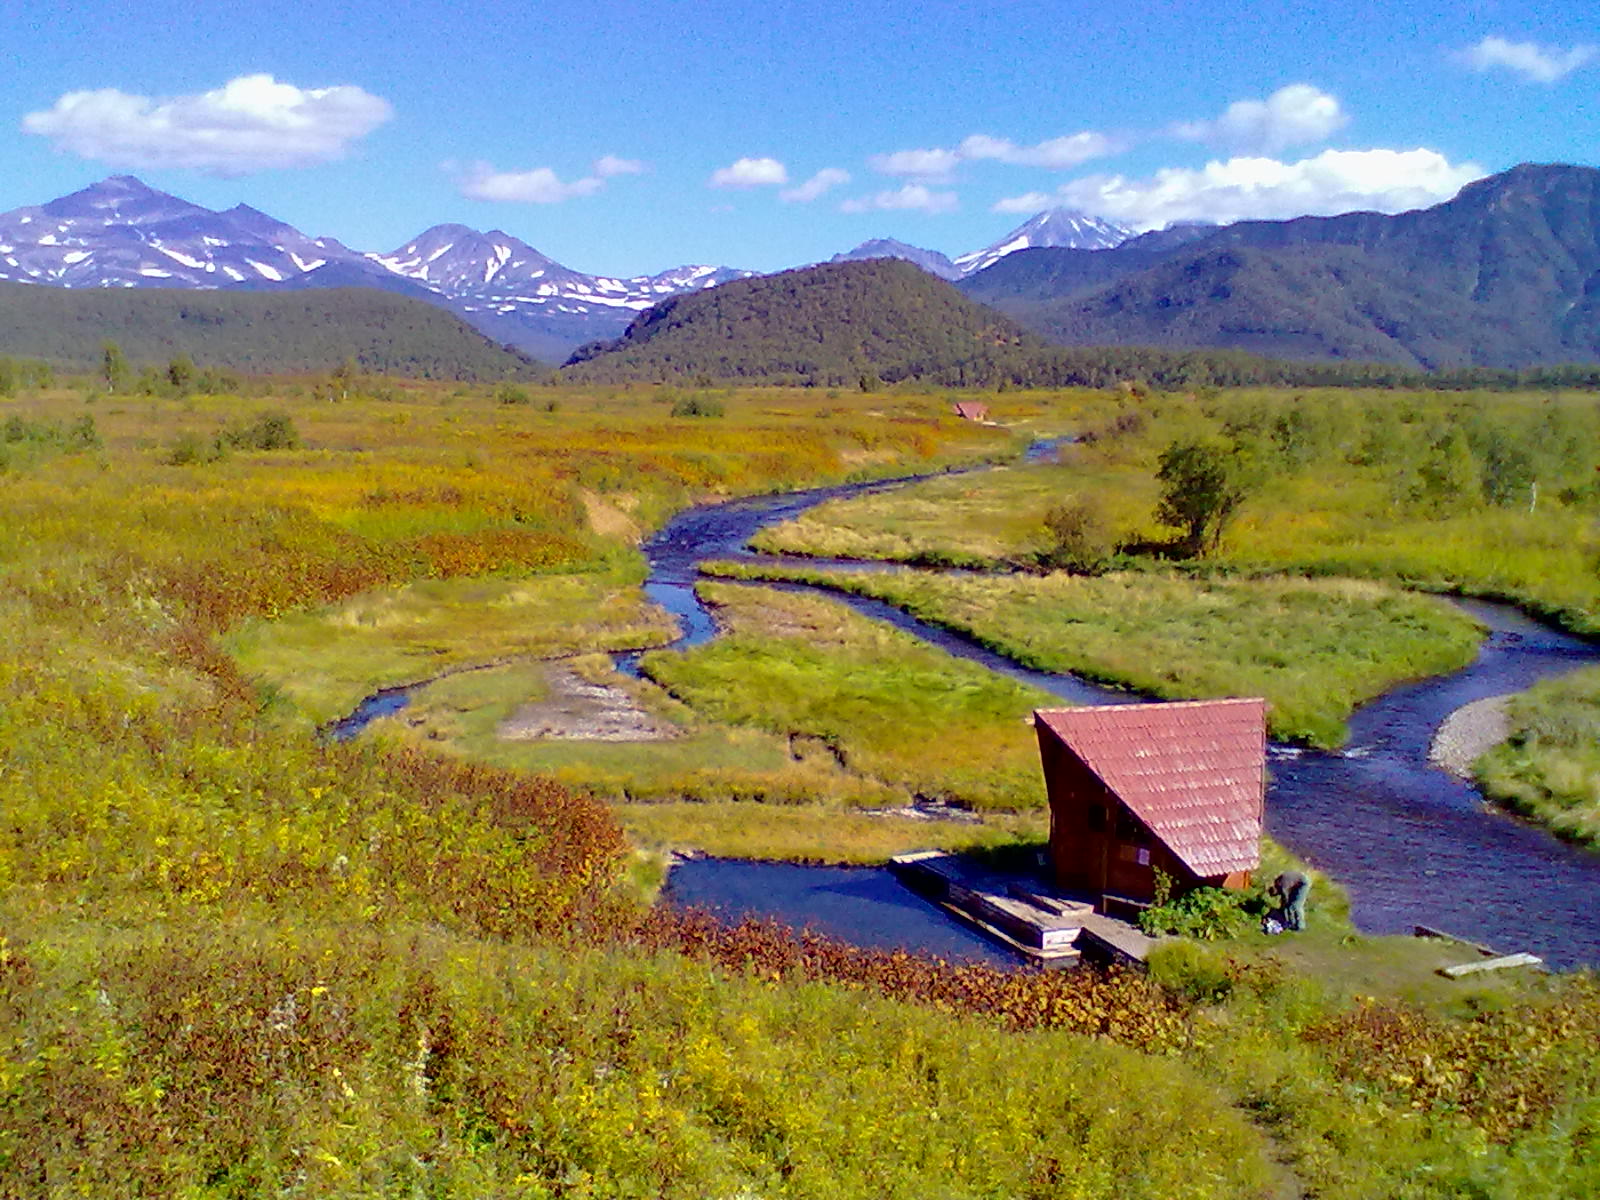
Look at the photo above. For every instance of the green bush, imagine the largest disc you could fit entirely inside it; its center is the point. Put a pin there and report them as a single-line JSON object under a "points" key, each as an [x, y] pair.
{"points": [[697, 405], [191, 449], [269, 431], [1206, 913]]}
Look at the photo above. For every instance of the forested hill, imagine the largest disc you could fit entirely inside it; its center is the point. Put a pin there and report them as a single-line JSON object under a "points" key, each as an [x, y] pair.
{"points": [[1507, 274], [250, 332], [826, 325]]}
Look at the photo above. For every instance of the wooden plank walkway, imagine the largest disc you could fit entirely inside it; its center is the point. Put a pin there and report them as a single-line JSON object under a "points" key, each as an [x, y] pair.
{"points": [[1020, 912]]}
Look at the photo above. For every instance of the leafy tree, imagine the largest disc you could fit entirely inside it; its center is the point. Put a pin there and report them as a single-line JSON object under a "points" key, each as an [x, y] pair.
{"points": [[1203, 482], [1448, 476], [180, 372], [113, 366]]}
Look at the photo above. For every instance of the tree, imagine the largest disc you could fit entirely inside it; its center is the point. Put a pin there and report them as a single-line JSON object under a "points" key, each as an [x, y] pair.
{"points": [[1203, 482], [113, 365], [180, 372]]}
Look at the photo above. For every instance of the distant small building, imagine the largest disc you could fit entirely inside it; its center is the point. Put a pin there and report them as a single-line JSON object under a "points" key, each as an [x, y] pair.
{"points": [[1140, 788], [971, 410]]}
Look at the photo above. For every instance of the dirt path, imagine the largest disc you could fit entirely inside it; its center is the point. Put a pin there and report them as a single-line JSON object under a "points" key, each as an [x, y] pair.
{"points": [[579, 709], [1468, 733]]}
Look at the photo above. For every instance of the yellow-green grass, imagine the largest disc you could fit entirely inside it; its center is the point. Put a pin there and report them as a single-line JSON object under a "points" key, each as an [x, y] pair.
{"points": [[1315, 648], [325, 660], [702, 761], [815, 832], [1549, 768], [992, 518], [255, 1059], [889, 706], [239, 962], [1347, 504]]}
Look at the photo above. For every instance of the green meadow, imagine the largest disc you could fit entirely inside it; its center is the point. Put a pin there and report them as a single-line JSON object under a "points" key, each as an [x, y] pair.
{"points": [[237, 961], [1314, 648]]}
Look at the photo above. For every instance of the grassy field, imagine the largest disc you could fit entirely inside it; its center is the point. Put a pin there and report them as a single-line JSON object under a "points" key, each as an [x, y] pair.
{"points": [[883, 703], [1314, 648], [237, 961], [1339, 485], [323, 661], [1549, 769]]}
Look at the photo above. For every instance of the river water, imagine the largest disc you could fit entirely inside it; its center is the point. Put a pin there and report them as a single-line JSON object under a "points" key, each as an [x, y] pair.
{"points": [[1412, 844]]}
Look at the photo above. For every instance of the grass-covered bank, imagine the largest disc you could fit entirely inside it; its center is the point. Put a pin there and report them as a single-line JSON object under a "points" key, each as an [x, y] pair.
{"points": [[1315, 648], [883, 703], [1549, 768], [1480, 493], [239, 962]]}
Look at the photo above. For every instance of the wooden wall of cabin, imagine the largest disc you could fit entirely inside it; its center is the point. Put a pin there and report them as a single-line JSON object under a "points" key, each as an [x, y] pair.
{"points": [[1097, 845]]}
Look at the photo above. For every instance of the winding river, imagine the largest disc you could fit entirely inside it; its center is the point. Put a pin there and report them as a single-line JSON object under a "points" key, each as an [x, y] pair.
{"points": [[1412, 844]]}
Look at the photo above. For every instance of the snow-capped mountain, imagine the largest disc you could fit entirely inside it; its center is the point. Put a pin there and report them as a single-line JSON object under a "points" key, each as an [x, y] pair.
{"points": [[121, 233], [930, 261], [1063, 227]]}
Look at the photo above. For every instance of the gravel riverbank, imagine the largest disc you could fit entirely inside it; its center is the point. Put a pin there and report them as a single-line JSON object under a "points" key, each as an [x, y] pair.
{"points": [[1469, 732]]}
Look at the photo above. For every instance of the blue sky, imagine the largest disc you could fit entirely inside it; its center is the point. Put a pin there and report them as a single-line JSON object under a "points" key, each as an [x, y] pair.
{"points": [[625, 138]]}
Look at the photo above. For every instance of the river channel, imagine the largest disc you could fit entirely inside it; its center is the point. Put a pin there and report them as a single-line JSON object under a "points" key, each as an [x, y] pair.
{"points": [[1412, 844]]}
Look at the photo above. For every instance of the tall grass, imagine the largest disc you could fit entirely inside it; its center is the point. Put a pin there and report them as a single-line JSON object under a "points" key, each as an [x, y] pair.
{"points": [[890, 707], [1314, 648], [1549, 768]]}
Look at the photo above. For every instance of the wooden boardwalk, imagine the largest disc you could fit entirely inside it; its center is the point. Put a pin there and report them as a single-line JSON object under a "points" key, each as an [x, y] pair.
{"points": [[1021, 913]]}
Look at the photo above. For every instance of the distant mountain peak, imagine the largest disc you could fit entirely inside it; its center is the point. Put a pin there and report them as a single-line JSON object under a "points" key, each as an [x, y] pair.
{"points": [[1064, 228], [930, 261]]}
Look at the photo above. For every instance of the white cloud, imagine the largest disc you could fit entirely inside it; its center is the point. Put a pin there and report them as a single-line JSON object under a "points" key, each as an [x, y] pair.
{"points": [[823, 181], [251, 123], [538, 186], [1028, 202], [750, 172], [912, 197], [1296, 115], [1536, 63], [1334, 181], [1055, 153], [931, 166], [609, 165]]}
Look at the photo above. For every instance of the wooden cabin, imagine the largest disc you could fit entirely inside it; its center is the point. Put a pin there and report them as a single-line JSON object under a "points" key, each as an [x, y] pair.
{"points": [[1140, 788], [971, 410]]}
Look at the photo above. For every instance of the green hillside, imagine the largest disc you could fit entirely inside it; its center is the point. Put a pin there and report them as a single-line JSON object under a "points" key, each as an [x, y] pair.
{"points": [[825, 325], [1505, 275], [254, 332]]}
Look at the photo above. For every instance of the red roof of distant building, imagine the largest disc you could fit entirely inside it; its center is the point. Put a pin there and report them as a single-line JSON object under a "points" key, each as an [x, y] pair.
{"points": [[1194, 772], [972, 410]]}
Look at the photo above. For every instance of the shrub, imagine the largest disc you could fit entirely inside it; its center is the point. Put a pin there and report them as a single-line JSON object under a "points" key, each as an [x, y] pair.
{"points": [[1198, 973], [269, 431], [697, 405], [1080, 535], [510, 393], [1206, 913], [191, 448]]}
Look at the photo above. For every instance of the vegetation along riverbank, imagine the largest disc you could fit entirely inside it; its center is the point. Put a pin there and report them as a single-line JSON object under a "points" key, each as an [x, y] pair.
{"points": [[237, 959]]}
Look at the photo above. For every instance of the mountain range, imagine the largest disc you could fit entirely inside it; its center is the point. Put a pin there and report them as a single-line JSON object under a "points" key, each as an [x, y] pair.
{"points": [[120, 233], [1506, 274]]}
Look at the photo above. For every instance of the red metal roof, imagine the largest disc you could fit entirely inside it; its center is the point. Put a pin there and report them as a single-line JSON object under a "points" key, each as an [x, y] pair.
{"points": [[972, 410], [1194, 771]]}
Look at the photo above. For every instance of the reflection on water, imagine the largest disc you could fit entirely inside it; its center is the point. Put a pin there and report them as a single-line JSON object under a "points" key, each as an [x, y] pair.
{"points": [[863, 905]]}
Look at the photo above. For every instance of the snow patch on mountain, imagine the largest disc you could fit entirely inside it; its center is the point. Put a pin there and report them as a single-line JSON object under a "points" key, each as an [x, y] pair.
{"points": [[1062, 227]]}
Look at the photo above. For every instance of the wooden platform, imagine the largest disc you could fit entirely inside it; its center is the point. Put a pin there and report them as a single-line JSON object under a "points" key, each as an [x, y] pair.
{"points": [[1489, 959], [1021, 913]]}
